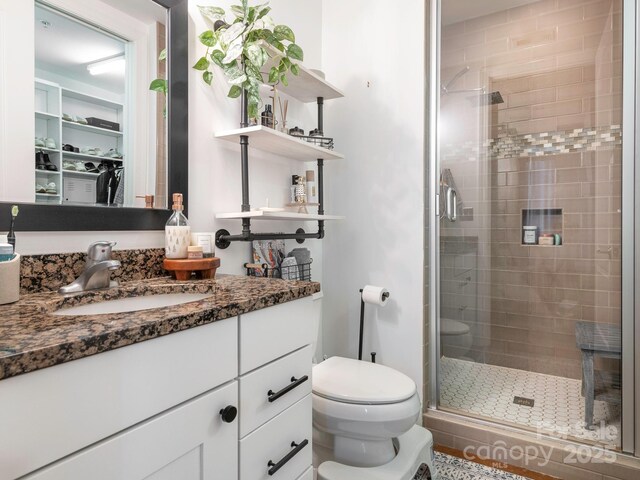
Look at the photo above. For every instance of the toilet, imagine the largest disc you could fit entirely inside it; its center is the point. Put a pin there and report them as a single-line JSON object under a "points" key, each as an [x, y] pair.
{"points": [[364, 423], [456, 338]]}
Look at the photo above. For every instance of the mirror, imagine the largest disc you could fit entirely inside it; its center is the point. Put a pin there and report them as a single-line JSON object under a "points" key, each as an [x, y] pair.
{"points": [[103, 140]]}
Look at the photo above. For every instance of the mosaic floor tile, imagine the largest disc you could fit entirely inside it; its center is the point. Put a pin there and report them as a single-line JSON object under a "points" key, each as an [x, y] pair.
{"points": [[489, 391], [454, 468]]}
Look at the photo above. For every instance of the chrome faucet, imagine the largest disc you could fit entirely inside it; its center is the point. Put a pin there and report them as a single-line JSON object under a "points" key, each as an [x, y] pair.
{"points": [[97, 271]]}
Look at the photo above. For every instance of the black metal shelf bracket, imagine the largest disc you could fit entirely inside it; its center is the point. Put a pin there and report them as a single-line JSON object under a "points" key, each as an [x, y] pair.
{"points": [[223, 237]]}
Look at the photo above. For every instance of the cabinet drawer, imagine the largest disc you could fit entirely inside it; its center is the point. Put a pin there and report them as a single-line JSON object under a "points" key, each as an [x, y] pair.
{"points": [[187, 443], [273, 332], [271, 446], [56, 411], [284, 378]]}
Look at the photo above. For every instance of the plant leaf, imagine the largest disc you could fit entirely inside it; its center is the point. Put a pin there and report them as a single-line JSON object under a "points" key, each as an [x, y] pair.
{"points": [[231, 33], [256, 55], [217, 56], [251, 16], [282, 32], [235, 91], [283, 79], [163, 55], [234, 51], [295, 69], [208, 38], [264, 11], [211, 13], [273, 75], [158, 85], [295, 52], [202, 64], [207, 77], [238, 11]]}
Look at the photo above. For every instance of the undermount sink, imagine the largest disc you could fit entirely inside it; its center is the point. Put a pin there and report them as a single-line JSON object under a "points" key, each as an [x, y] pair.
{"points": [[133, 304]]}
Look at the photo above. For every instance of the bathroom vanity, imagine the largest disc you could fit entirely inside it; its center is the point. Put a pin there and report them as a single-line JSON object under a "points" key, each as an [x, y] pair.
{"points": [[164, 405]]}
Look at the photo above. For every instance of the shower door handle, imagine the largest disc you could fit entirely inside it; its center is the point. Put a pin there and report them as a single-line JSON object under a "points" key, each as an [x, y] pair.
{"points": [[452, 204]]}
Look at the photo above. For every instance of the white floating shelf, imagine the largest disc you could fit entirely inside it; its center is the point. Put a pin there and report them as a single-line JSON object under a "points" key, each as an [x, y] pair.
{"points": [[270, 140], [45, 149], [47, 116], [87, 157], [306, 87], [261, 215], [47, 172], [90, 128], [47, 194]]}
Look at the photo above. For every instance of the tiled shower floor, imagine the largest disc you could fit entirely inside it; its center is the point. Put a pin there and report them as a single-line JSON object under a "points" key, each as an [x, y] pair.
{"points": [[488, 391]]}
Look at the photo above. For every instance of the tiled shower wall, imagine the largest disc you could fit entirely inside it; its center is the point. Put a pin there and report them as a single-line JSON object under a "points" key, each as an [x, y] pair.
{"points": [[553, 144]]}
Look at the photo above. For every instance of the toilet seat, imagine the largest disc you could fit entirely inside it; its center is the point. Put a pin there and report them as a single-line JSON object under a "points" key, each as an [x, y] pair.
{"points": [[448, 326], [352, 381]]}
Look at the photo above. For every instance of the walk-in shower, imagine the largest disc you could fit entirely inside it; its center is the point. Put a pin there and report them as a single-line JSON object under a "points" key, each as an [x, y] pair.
{"points": [[527, 301]]}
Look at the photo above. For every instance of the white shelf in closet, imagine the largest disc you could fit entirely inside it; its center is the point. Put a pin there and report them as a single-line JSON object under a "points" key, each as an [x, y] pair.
{"points": [[92, 129], [306, 87], [270, 140], [79, 174], [91, 99], [51, 195], [261, 215], [47, 116], [48, 150], [46, 172], [88, 158]]}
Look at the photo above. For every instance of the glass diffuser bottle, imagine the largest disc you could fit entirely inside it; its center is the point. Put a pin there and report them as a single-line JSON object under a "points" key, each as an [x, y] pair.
{"points": [[177, 231]]}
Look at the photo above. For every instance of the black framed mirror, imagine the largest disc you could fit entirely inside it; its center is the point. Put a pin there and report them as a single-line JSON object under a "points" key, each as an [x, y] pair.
{"points": [[43, 217]]}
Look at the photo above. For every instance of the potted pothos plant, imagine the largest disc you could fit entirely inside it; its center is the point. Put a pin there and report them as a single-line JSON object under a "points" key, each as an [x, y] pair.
{"points": [[242, 45]]}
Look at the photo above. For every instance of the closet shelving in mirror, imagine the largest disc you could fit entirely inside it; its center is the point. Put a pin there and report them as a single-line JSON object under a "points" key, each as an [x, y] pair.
{"points": [[307, 87], [54, 100]]}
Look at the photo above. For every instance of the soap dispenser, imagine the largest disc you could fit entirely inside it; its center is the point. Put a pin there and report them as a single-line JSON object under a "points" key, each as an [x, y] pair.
{"points": [[177, 231]]}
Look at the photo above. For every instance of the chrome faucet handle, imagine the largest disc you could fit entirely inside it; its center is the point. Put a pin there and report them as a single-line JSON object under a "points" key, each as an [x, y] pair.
{"points": [[100, 250]]}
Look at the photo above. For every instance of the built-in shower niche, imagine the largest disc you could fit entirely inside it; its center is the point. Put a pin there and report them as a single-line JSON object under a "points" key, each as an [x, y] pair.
{"points": [[542, 227]]}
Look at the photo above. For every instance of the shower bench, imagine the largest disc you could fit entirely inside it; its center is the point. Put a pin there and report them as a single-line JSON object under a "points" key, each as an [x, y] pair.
{"points": [[605, 341]]}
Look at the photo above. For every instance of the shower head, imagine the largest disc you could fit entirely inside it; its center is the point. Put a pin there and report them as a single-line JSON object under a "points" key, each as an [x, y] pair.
{"points": [[493, 98]]}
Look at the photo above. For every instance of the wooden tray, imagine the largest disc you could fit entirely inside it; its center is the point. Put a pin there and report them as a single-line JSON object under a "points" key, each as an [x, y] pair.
{"points": [[183, 269]]}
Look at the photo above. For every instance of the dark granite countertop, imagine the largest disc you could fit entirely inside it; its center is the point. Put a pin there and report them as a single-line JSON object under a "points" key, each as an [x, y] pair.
{"points": [[31, 337]]}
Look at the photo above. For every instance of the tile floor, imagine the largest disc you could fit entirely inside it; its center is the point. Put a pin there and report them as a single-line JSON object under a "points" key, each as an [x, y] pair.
{"points": [[488, 391], [454, 468]]}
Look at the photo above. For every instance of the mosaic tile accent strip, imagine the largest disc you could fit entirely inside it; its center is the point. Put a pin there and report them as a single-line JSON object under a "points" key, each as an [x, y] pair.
{"points": [[453, 468], [47, 273], [488, 390], [509, 145]]}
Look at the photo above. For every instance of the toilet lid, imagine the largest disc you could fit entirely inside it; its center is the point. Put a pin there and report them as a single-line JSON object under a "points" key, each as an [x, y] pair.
{"points": [[353, 381], [449, 326]]}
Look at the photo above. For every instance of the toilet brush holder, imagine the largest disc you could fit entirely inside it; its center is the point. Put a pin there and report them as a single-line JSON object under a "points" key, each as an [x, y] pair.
{"points": [[10, 280]]}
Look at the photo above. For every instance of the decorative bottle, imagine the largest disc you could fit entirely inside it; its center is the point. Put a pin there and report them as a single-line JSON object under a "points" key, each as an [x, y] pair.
{"points": [[177, 231]]}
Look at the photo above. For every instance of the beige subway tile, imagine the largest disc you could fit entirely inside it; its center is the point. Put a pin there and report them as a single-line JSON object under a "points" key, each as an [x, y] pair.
{"points": [[581, 120], [518, 27], [561, 17], [556, 109], [485, 50], [540, 125], [532, 97], [564, 76], [532, 9], [514, 114], [486, 21], [578, 90], [530, 39], [592, 26]]}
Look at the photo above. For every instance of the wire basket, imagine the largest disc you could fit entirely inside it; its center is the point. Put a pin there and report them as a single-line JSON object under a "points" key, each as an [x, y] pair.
{"points": [[324, 142], [300, 271]]}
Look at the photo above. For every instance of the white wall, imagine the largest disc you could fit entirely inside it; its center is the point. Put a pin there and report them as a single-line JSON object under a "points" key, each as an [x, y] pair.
{"points": [[375, 52]]}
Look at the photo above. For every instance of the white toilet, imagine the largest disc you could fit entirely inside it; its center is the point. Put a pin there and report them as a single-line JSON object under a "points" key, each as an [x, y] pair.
{"points": [[364, 421], [456, 338]]}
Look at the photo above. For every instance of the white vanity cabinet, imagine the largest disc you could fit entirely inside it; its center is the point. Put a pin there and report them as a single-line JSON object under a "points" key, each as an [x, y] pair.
{"points": [[154, 410]]}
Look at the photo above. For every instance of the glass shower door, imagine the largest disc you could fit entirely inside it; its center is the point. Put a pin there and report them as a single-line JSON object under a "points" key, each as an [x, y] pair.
{"points": [[529, 228]]}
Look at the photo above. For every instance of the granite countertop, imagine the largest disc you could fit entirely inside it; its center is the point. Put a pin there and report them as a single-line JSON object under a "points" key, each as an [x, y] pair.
{"points": [[31, 337]]}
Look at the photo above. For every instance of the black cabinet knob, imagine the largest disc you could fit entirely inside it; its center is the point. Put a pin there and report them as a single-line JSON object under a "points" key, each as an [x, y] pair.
{"points": [[229, 413]]}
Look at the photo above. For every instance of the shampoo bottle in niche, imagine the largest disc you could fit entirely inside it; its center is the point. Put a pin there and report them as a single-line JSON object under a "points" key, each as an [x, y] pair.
{"points": [[177, 231]]}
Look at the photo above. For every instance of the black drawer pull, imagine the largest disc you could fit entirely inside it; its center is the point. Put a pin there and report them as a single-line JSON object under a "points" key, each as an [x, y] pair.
{"points": [[296, 448], [294, 383]]}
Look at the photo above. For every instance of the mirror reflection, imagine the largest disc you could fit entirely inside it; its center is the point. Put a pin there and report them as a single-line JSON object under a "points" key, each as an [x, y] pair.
{"points": [[100, 132]]}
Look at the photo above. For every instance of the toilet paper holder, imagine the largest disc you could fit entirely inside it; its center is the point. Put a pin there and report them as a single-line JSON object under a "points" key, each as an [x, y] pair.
{"points": [[385, 296]]}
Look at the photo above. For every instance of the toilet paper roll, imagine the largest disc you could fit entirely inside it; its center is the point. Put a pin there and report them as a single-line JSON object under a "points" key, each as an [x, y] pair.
{"points": [[375, 295]]}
